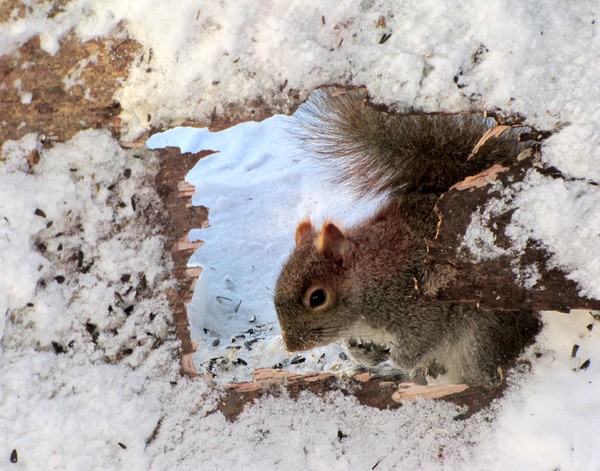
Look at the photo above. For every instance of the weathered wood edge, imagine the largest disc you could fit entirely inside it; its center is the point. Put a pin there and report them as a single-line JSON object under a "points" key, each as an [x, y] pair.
{"points": [[181, 216], [367, 391], [492, 283]]}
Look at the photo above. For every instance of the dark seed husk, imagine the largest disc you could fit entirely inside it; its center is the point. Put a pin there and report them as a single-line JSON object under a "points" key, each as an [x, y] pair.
{"points": [[297, 359], [248, 344], [58, 348]]}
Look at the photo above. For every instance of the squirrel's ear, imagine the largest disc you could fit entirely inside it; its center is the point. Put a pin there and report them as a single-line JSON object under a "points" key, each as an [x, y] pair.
{"points": [[332, 241], [305, 233]]}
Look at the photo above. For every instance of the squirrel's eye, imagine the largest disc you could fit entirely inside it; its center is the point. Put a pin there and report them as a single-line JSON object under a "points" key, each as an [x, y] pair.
{"points": [[317, 298]]}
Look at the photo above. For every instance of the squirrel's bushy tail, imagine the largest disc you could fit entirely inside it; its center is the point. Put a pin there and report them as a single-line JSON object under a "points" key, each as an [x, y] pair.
{"points": [[377, 152]]}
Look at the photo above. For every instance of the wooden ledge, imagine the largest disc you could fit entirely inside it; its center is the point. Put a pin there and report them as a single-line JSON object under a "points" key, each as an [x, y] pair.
{"points": [[368, 391]]}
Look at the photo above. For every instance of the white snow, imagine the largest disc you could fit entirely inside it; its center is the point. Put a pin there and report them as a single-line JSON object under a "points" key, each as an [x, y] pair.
{"points": [[533, 58], [71, 410]]}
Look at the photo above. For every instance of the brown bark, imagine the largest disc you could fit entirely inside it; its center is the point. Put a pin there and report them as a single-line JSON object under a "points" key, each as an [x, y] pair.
{"points": [[70, 91], [367, 391], [181, 217], [492, 284]]}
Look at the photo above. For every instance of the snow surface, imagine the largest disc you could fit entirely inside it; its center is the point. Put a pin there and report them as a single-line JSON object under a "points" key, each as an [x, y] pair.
{"points": [[73, 410], [534, 58]]}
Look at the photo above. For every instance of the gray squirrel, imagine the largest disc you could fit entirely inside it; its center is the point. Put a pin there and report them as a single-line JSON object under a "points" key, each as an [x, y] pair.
{"points": [[359, 285]]}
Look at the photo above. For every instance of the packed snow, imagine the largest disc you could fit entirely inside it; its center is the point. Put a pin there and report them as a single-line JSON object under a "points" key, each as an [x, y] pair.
{"points": [[83, 386]]}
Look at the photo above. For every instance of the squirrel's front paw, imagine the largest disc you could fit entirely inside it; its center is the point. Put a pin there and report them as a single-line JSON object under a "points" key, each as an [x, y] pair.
{"points": [[419, 375], [426, 374], [387, 374], [367, 353]]}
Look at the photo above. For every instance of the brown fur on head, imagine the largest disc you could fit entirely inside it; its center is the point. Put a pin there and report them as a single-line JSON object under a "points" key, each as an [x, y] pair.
{"points": [[332, 242], [305, 233], [307, 294]]}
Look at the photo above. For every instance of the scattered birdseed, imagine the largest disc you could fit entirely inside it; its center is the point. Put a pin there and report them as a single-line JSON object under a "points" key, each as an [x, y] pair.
{"points": [[58, 348], [385, 37], [248, 344], [297, 360]]}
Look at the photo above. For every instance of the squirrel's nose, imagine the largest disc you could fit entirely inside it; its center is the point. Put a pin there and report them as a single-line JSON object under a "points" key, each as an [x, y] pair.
{"points": [[293, 341]]}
